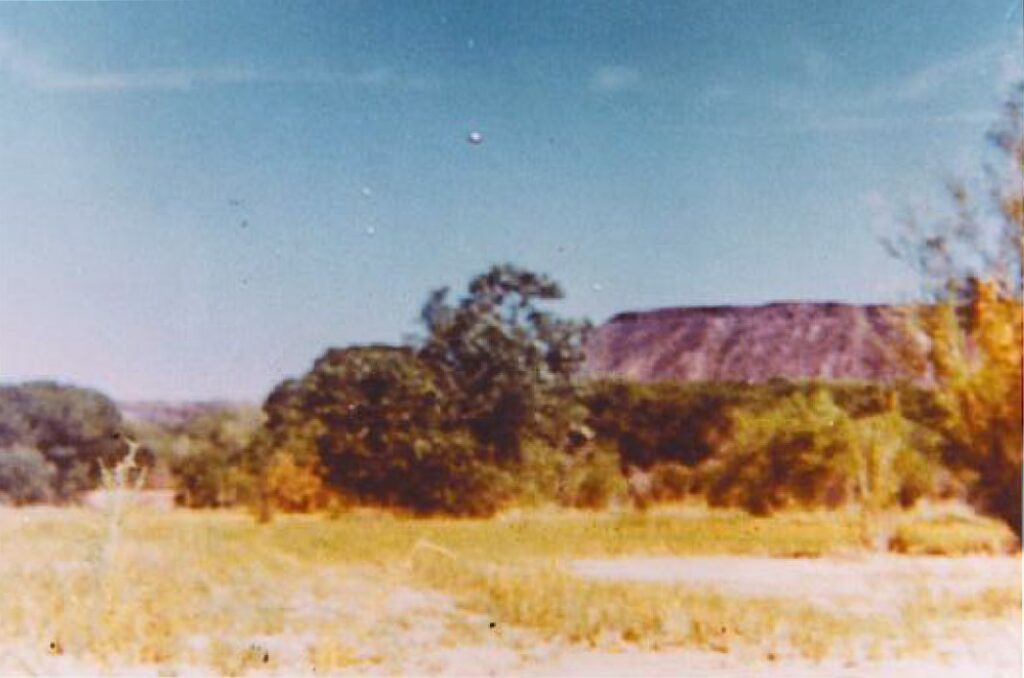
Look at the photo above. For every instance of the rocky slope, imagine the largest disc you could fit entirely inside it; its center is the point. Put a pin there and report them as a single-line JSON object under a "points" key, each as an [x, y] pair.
{"points": [[828, 341]]}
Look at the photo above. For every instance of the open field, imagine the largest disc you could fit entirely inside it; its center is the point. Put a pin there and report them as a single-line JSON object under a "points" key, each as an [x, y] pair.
{"points": [[682, 592]]}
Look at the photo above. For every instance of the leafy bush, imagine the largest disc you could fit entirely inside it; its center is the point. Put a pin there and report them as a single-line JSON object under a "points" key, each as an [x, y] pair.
{"points": [[978, 362], [26, 476], [211, 458], [796, 452], [921, 477], [73, 428], [671, 481], [597, 482], [807, 451], [378, 422], [686, 423], [543, 476], [291, 486], [590, 478], [895, 461], [211, 480], [650, 423]]}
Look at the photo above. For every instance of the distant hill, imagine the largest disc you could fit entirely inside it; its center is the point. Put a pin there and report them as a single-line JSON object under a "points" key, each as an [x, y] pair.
{"points": [[829, 341], [167, 413]]}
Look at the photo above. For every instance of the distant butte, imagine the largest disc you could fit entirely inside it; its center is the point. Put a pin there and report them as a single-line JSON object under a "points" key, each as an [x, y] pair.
{"points": [[795, 341]]}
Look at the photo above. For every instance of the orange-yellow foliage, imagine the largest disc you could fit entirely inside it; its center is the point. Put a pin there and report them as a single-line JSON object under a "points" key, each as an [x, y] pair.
{"points": [[291, 486]]}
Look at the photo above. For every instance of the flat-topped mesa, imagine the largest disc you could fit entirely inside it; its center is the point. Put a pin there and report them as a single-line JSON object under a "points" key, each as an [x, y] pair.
{"points": [[797, 341]]}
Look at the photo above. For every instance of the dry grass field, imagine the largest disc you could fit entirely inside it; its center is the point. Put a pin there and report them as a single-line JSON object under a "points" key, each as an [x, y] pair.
{"points": [[682, 591]]}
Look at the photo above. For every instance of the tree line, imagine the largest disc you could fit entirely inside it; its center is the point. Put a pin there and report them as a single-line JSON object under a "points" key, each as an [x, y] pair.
{"points": [[488, 407], [53, 439]]}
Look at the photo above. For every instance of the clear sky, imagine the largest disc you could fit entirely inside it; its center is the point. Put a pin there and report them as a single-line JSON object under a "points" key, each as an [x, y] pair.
{"points": [[197, 199]]}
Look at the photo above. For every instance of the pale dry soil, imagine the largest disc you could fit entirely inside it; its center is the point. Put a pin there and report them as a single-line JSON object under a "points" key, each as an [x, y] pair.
{"points": [[243, 607], [873, 584], [869, 583], [381, 626]]}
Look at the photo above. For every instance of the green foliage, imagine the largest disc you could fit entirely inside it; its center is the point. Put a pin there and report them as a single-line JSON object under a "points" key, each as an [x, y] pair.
{"points": [[379, 423], [440, 427], [649, 423], [895, 461], [26, 476], [597, 481], [687, 423], [510, 363], [210, 457], [542, 477], [807, 451], [211, 480], [74, 429], [587, 479], [765, 446], [797, 452]]}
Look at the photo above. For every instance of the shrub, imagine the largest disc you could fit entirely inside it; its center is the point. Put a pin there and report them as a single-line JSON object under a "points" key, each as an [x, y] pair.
{"points": [[25, 476], [650, 423], [806, 450], [918, 478], [291, 486], [378, 422], [210, 480], [670, 481], [212, 459], [971, 262], [587, 479], [687, 423], [73, 428], [595, 481], [543, 475], [798, 451]]}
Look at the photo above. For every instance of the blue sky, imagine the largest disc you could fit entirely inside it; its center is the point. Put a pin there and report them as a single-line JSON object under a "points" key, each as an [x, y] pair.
{"points": [[197, 199]]}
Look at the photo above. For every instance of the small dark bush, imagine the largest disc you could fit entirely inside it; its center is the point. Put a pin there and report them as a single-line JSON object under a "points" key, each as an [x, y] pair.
{"points": [[670, 481], [25, 476]]}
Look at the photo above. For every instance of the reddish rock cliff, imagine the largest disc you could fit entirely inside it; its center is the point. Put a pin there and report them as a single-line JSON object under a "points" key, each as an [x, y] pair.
{"points": [[754, 343]]}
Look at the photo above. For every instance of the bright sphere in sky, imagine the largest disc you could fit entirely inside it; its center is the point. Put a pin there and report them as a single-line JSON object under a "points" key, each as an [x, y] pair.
{"points": [[475, 138]]}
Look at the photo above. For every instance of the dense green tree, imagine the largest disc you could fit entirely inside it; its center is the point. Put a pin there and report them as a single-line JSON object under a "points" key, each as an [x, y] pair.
{"points": [[438, 426], [508, 364], [666, 422], [74, 428], [379, 420]]}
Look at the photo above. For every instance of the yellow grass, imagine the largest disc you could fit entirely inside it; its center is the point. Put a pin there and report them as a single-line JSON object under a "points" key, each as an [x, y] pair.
{"points": [[371, 592]]}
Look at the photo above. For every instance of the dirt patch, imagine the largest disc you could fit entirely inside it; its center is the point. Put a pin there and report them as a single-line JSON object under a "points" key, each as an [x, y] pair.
{"points": [[871, 583], [1005, 663]]}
